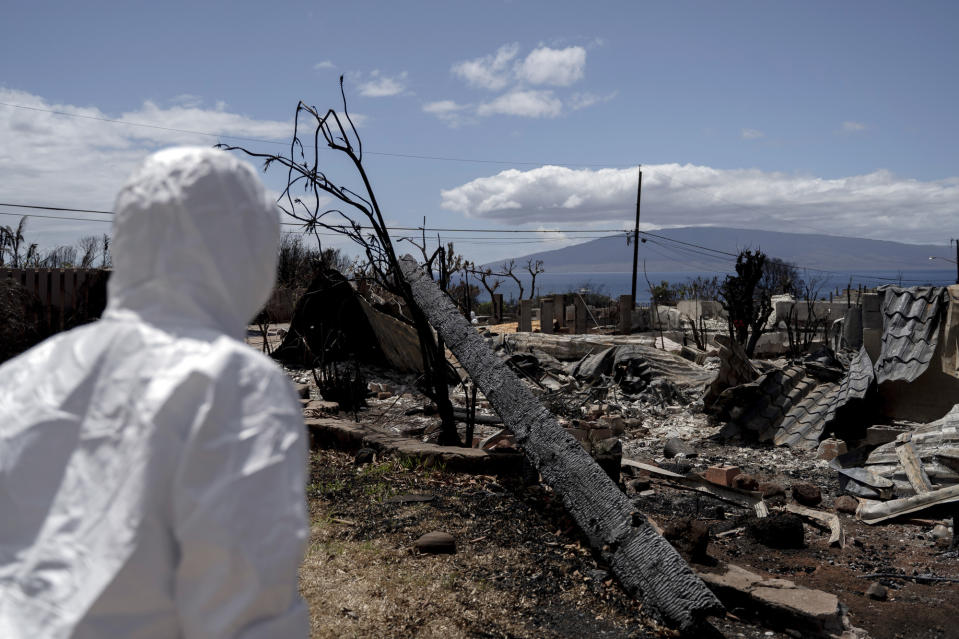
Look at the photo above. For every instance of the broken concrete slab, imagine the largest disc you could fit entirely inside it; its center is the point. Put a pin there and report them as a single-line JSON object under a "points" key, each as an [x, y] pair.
{"points": [[645, 564], [779, 603], [302, 391], [319, 408]]}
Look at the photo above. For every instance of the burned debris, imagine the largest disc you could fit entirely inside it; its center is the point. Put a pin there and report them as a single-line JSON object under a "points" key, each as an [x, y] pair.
{"points": [[730, 457]]}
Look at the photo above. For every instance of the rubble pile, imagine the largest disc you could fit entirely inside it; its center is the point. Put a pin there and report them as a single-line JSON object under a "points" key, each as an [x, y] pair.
{"points": [[782, 465]]}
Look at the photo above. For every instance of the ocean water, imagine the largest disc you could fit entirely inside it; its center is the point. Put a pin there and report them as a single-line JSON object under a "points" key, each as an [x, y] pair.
{"points": [[615, 284]]}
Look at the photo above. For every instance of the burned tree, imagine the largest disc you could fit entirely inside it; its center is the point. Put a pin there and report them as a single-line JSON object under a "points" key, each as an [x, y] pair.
{"points": [[746, 307], [535, 267], [483, 275], [12, 243], [509, 270], [803, 331], [362, 222], [747, 296]]}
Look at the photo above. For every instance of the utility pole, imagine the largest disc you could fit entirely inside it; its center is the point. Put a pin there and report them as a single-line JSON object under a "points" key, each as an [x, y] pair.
{"points": [[639, 194], [957, 259]]}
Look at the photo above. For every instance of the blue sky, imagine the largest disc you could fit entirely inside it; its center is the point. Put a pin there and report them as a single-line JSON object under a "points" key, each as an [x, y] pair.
{"points": [[814, 116]]}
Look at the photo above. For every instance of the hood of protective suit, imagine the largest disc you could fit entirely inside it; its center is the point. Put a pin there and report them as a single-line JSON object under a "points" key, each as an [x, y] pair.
{"points": [[175, 208]]}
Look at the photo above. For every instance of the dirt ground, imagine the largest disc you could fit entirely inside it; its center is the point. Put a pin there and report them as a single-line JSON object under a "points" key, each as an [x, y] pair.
{"points": [[522, 569]]}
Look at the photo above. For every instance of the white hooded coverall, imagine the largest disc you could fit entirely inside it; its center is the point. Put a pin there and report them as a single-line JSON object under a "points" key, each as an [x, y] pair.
{"points": [[152, 466]]}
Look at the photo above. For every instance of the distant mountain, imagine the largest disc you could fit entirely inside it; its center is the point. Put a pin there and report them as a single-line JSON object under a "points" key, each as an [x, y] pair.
{"points": [[678, 250]]}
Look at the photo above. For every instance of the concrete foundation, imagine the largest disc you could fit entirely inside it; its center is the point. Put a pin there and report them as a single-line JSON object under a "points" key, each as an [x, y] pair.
{"points": [[525, 324], [559, 309], [706, 309], [580, 316], [546, 314]]}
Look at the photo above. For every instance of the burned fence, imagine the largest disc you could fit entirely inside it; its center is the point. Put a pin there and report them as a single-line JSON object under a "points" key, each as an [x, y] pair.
{"points": [[66, 297]]}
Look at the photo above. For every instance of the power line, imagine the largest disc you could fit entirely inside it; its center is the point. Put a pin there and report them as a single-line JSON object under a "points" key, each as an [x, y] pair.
{"points": [[487, 239], [53, 208], [686, 247], [705, 248], [397, 228], [57, 217]]}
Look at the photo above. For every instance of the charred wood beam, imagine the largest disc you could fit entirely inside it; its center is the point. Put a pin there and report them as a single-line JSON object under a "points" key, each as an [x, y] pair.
{"points": [[646, 565]]}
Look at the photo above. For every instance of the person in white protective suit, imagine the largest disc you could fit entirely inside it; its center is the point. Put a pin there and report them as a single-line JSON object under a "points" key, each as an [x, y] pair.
{"points": [[152, 466]]}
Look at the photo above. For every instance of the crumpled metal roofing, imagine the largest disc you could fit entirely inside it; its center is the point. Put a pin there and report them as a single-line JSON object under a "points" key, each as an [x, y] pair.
{"points": [[804, 425], [793, 408], [910, 331]]}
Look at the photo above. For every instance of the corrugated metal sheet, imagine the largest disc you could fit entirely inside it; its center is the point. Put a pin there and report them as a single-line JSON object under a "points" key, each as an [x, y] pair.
{"points": [[936, 444], [793, 408], [804, 425], [858, 379], [910, 331]]}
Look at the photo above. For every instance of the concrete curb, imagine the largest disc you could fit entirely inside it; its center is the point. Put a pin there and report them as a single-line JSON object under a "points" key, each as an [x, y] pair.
{"points": [[346, 435]]}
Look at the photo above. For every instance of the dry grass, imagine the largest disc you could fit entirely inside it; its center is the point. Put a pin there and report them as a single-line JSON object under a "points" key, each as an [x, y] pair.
{"points": [[518, 571]]}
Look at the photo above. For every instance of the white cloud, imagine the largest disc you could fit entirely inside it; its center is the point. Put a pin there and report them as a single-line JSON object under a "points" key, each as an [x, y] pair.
{"points": [[325, 64], [489, 72], [752, 134], [530, 104], [877, 205], [187, 100], [556, 67], [81, 162], [443, 106], [381, 86], [503, 72], [449, 111], [586, 99], [853, 127]]}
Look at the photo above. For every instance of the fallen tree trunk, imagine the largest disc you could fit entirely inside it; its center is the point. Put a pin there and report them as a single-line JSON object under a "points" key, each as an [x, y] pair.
{"points": [[646, 565]]}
